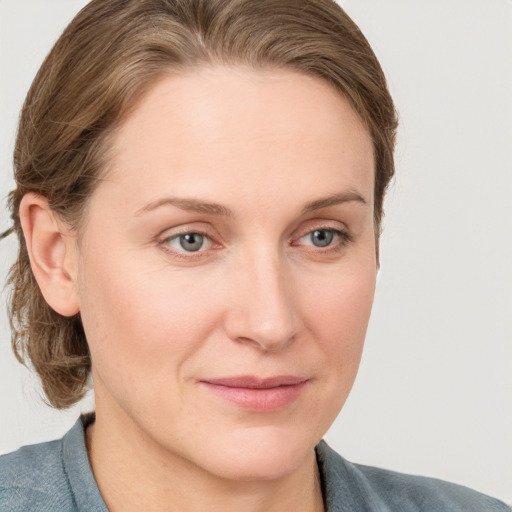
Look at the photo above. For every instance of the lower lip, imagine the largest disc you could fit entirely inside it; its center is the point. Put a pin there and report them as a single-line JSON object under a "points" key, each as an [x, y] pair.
{"points": [[259, 400]]}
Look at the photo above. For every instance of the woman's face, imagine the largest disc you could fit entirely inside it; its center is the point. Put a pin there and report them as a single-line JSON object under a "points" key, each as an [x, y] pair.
{"points": [[227, 268]]}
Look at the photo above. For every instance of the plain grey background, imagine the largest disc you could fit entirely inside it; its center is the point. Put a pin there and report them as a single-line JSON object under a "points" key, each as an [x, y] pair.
{"points": [[434, 393]]}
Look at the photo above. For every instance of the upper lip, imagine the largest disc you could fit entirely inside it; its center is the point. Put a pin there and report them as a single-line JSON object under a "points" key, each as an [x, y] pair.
{"points": [[253, 382]]}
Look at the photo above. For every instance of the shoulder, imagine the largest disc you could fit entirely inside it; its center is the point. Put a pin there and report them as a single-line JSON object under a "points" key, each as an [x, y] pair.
{"points": [[33, 478], [369, 488], [426, 494]]}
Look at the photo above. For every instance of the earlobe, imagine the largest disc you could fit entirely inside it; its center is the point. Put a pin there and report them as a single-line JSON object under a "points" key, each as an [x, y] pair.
{"points": [[51, 249]]}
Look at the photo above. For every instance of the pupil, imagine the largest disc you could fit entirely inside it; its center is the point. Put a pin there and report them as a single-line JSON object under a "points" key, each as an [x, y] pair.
{"points": [[191, 242], [322, 237]]}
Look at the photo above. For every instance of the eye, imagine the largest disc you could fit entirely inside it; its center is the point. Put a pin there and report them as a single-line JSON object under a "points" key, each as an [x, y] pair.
{"points": [[325, 238], [322, 237], [190, 242]]}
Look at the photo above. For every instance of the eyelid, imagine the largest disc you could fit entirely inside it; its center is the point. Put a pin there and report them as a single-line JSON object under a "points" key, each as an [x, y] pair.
{"points": [[185, 229], [321, 224]]}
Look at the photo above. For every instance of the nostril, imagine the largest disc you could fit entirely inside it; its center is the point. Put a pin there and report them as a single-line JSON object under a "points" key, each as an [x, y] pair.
{"points": [[269, 340]]}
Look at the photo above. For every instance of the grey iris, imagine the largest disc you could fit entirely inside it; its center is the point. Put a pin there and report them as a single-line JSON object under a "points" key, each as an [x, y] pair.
{"points": [[322, 237], [191, 242]]}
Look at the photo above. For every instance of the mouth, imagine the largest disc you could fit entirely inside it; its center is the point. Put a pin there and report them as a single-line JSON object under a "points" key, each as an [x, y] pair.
{"points": [[258, 394]]}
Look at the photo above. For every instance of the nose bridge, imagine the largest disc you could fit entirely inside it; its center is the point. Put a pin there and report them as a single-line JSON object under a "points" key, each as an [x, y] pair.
{"points": [[265, 313]]}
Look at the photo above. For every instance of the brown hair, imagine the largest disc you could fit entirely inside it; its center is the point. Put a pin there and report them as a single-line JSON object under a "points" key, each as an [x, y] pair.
{"points": [[111, 52]]}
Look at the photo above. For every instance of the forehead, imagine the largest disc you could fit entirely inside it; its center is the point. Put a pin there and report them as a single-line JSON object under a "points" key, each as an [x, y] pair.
{"points": [[270, 127]]}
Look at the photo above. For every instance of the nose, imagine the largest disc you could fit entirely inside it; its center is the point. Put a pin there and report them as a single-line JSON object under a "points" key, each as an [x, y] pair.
{"points": [[263, 310]]}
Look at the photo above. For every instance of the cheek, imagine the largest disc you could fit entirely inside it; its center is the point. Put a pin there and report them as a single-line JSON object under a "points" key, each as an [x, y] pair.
{"points": [[338, 310], [340, 303], [140, 319]]}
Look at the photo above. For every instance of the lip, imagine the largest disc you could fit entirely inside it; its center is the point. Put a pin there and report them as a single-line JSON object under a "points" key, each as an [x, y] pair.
{"points": [[258, 394]]}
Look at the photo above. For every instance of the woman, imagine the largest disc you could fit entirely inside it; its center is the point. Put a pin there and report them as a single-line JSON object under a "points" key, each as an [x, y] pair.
{"points": [[199, 200]]}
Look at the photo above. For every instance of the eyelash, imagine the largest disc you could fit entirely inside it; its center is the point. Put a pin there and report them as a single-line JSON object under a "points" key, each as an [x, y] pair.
{"points": [[344, 239]]}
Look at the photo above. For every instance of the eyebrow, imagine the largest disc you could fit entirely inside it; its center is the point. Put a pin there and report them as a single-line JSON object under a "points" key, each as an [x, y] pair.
{"points": [[188, 204], [218, 209], [333, 200]]}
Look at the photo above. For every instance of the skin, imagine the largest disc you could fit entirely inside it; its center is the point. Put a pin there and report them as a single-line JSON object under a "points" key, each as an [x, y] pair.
{"points": [[259, 298]]}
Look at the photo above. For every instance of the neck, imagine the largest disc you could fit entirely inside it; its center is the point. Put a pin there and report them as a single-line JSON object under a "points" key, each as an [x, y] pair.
{"points": [[133, 473]]}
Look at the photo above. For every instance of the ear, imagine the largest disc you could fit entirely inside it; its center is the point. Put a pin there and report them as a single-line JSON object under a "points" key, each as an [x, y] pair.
{"points": [[52, 251]]}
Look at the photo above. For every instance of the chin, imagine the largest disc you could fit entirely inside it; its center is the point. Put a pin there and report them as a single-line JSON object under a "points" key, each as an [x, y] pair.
{"points": [[258, 454]]}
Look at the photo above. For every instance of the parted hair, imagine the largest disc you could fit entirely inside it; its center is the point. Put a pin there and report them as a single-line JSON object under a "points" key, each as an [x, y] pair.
{"points": [[105, 60]]}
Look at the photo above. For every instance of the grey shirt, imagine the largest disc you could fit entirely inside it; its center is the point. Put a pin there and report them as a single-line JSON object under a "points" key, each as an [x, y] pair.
{"points": [[56, 476]]}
